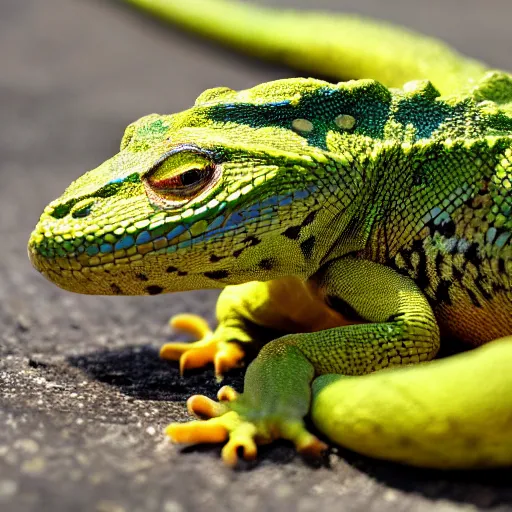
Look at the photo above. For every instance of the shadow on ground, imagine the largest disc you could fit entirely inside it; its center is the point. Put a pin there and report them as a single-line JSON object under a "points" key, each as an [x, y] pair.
{"points": [[138, 372]]}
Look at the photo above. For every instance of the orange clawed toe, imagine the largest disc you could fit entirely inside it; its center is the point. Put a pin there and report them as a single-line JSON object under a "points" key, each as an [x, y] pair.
{"points": [[223, 354]]}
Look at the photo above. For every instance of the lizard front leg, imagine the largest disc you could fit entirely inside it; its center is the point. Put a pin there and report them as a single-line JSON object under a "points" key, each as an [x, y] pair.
{"points": [[277, 390], [249, 315], [223, 346]]}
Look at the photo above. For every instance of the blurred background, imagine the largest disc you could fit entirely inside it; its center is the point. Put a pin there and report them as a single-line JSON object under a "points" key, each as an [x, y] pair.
{"points": [[83, 397]]}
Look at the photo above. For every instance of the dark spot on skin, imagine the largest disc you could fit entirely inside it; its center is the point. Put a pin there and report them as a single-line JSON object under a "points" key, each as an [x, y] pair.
{"points": [[251, 241], [216, 274], [498, 288], [442, 292], [182, 273], [405, 441], [292, 232], [343, 307], [154, 289], [171, 269], [376, 428], [142, 277], [472, 254], [485, 293], [453, 248], [418, 178], [447, 229], [421, 279], [430, 293], [406, 256], [266, 264], [457, 274], [309, 219], [307, 247], [116, 289], [438, 262], [214, 258], [484, 187]]}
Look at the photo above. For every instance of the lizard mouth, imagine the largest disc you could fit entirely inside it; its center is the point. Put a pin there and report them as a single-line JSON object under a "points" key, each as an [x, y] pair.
{"points": [[108, 278], [118, 273], [69, 274]]}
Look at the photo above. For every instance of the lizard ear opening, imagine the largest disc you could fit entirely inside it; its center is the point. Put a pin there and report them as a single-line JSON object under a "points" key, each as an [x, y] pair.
{"points": [[180, 176]]}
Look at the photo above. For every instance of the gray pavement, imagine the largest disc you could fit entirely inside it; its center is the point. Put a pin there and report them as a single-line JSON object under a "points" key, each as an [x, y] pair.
{"points": [[83, 396]]}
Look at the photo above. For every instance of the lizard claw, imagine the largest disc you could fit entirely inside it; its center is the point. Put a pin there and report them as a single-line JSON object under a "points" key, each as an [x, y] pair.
{"points": [[209, 349], [227, 394], [228, 356]]}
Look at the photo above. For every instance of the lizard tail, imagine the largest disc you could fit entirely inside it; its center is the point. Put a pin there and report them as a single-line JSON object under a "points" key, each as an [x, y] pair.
{"points": [[452, 413], [338, 46]]}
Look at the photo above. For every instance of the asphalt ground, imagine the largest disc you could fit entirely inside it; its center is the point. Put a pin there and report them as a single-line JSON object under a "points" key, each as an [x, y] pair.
{"points": [[83, 395]]}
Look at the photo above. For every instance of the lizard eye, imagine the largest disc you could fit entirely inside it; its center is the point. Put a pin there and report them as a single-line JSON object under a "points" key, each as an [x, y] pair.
{"points": [[179, 177], [181, 184]]}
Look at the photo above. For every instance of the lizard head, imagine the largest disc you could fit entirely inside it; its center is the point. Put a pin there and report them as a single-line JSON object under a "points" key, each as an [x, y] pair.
{"points": [[234, 189]]}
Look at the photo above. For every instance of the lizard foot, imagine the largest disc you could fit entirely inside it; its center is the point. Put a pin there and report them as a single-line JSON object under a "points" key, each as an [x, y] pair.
{"points": [[209, 349], [243, 430]]}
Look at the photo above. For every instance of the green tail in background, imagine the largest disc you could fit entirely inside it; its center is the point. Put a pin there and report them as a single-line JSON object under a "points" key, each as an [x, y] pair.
{"points": [[338, 46]]}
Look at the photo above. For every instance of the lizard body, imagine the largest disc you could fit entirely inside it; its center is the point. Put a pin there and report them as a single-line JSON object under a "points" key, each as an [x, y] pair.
{"points": [[351, 224]]}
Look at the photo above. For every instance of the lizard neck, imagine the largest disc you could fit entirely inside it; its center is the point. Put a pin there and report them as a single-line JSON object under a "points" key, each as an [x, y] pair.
{"points": [[305, 231]]}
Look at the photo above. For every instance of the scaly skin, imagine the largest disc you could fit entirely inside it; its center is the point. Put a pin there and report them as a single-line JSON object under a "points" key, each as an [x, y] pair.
{"points": [[354, 224]]}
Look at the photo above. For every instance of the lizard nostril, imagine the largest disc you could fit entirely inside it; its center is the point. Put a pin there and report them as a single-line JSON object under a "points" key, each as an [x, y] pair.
{"points": [[82, 210]]}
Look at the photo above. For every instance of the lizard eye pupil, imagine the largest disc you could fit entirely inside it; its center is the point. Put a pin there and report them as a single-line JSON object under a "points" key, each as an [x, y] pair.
{"points": [[191, 177]]}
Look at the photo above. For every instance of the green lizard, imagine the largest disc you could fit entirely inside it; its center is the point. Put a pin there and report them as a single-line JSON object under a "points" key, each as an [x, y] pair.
{"points": [[351, 224]]}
